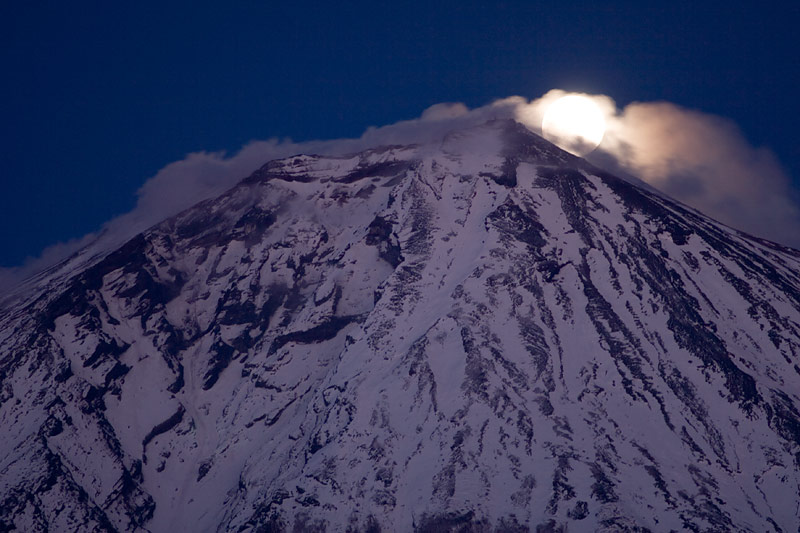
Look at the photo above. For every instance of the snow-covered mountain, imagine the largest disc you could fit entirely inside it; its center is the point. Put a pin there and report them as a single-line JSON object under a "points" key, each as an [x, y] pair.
{"points": [[486, 334]]}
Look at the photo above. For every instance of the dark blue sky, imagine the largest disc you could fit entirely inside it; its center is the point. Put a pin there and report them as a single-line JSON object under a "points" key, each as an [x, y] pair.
{"points": [[96, 97]]}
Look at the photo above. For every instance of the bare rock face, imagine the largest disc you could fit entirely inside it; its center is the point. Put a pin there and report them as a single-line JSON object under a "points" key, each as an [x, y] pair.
{"points": [[484, 335]]}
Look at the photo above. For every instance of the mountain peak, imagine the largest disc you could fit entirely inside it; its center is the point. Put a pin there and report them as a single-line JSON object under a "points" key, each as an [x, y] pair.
{"points": [[481, 334]]}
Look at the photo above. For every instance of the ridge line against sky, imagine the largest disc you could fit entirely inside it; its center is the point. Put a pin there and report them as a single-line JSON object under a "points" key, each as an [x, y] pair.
{"points": [[699, 159]]}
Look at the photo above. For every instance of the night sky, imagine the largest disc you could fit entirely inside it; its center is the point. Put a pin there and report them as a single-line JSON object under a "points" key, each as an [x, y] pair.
{"points": [[97, 97]]}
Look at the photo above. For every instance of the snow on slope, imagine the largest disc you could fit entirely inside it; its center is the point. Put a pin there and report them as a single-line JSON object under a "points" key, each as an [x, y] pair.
{"points": [[488, 334]]}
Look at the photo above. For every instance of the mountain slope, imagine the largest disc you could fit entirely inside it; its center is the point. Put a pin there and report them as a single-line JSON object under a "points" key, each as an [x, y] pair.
{"points": [[485, 334]]}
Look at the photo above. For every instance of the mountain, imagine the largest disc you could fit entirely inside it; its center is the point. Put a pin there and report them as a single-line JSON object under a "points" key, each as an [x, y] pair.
{"points": [[482, 334]]}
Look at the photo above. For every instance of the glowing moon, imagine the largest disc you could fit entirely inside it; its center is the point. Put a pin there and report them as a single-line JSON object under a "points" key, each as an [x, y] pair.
{"points": [[575, 123]]}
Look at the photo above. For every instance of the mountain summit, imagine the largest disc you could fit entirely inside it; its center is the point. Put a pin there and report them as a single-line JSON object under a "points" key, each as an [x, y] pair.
{"points": [[485, 334]]}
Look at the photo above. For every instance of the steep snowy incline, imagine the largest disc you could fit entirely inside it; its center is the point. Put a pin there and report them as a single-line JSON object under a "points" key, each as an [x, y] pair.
{"points": [[488, 334]]}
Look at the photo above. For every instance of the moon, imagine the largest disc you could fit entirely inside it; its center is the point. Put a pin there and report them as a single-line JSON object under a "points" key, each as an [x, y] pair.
{"points": [[574, 123]]}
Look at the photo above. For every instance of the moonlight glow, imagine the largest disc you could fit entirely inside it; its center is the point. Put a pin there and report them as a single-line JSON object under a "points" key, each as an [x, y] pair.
{"points": [[575, 123]]}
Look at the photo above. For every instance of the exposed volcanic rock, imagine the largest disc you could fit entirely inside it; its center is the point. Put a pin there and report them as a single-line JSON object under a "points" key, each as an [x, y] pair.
{"points": [[488, 334]]}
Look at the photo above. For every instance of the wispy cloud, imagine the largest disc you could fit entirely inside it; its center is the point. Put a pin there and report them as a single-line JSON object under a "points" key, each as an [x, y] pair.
{"points": [[706, 162], [700, 159]]}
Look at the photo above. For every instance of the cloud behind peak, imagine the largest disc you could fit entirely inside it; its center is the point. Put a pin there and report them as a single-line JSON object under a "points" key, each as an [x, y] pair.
{"points": [[700, 159]]}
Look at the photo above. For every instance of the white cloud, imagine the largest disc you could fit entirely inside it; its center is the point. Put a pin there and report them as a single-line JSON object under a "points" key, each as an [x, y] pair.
{"points": [[51, 255], [702, 160], [706, 162]]}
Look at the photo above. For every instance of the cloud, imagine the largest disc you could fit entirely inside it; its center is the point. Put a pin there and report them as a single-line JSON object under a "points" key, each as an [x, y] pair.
{"points": [[700, 159], [203, 175], [9, 277], [706, 162]]}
